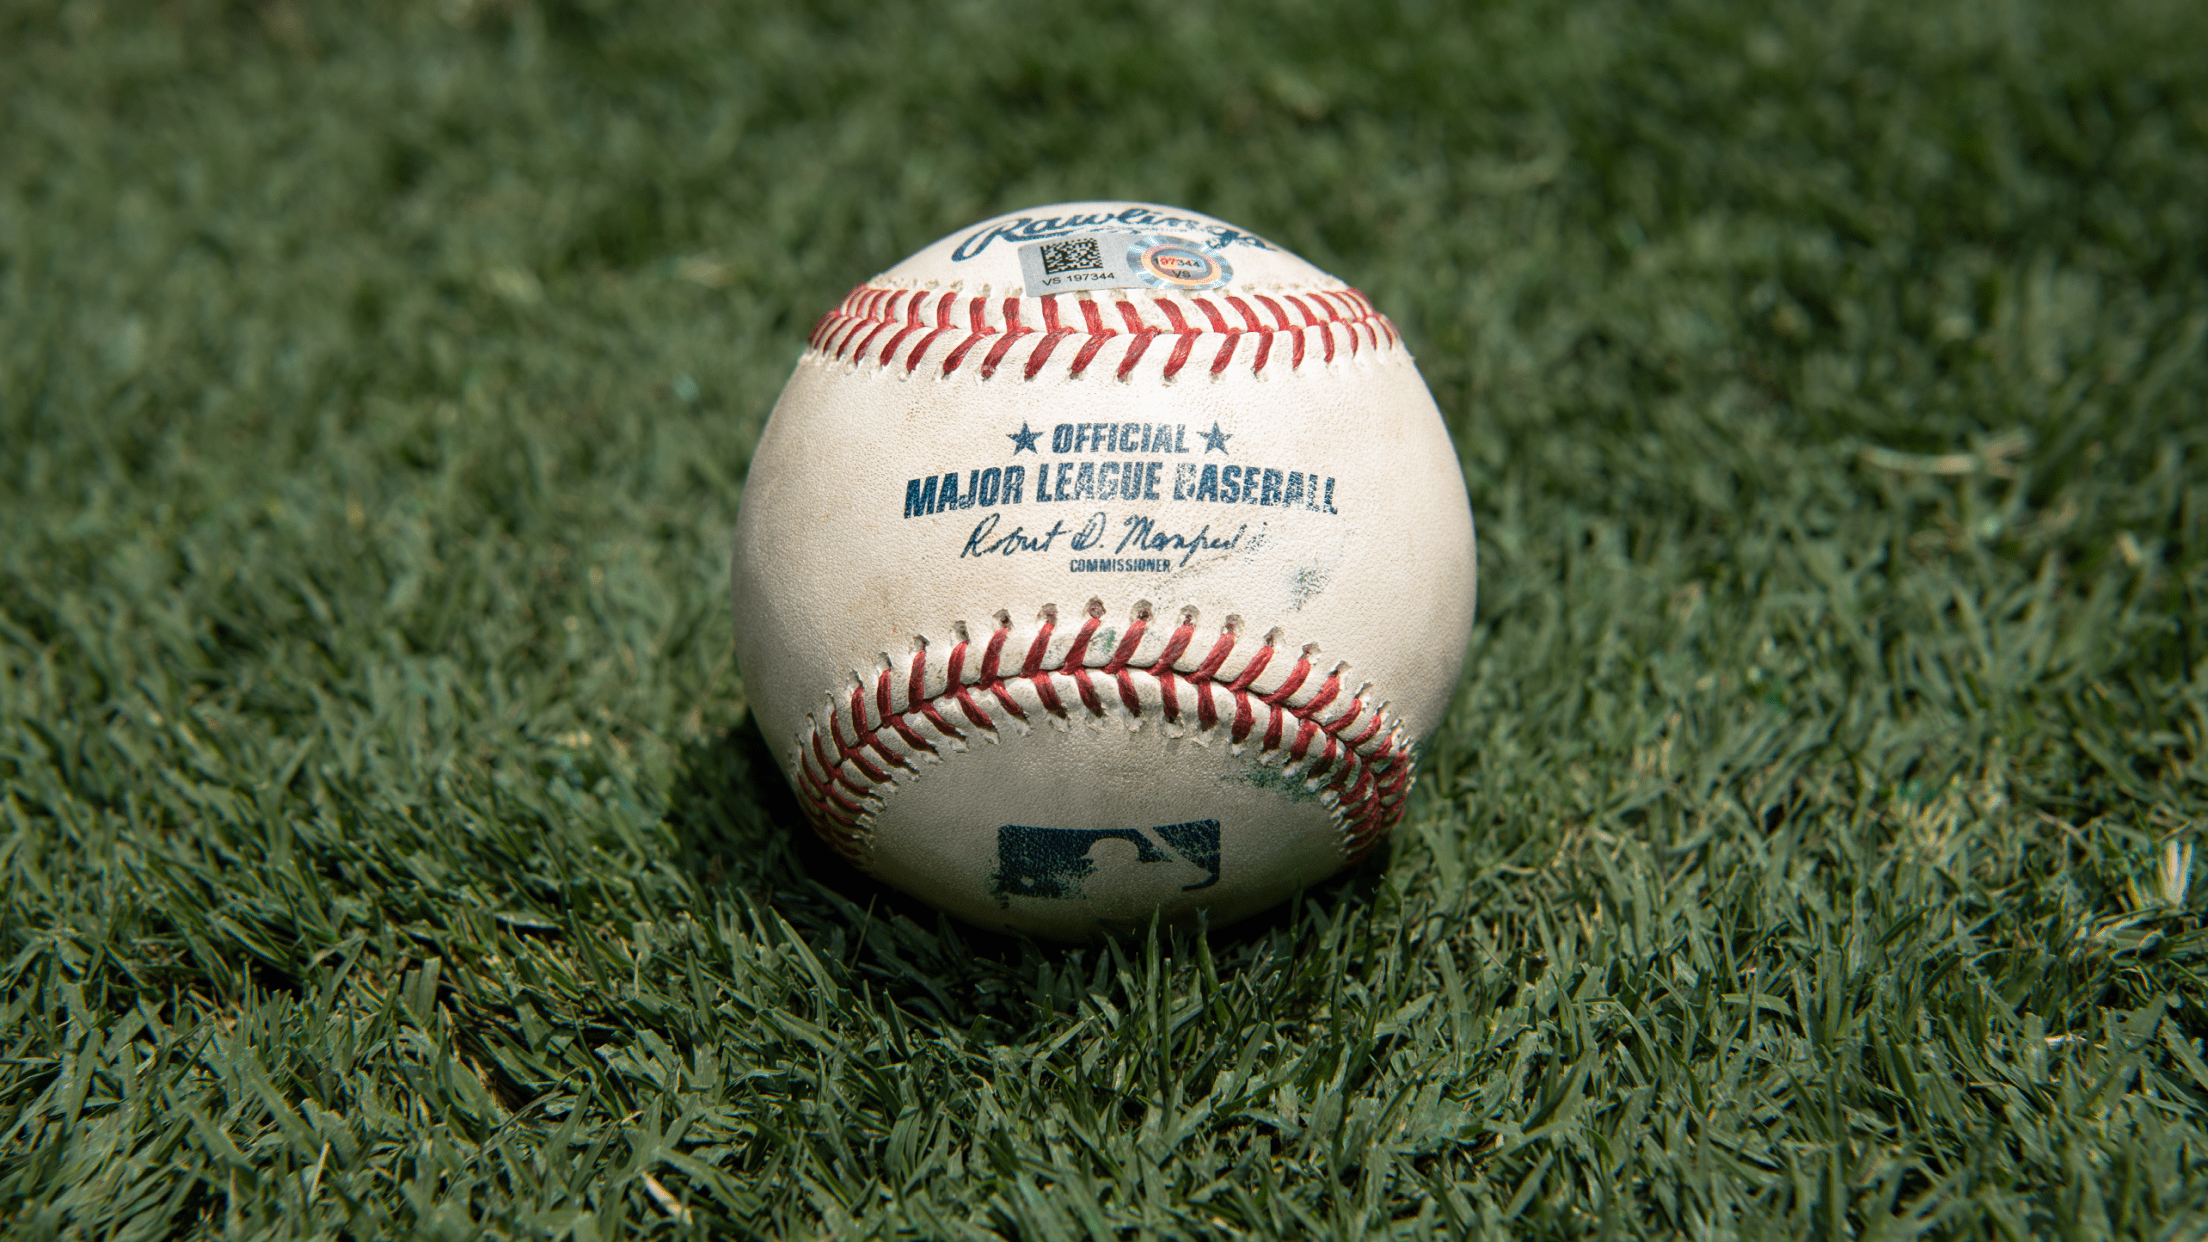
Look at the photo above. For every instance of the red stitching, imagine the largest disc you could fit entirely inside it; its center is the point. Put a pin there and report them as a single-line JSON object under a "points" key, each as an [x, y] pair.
{"points": [[877, 324], [1181, 329], [1013, 331], [1326, 302], [1265, 334], [912, 320], [1295, 335], [1098, 334], [1219, 324], [1052, 334], [942, 325], [1310, 320], [841, 786], [912, 325], [978, 314], [1143, 334]]}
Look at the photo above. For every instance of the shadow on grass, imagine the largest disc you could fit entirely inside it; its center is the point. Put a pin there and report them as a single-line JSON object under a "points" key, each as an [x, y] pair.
{"points": [[741, 831]]}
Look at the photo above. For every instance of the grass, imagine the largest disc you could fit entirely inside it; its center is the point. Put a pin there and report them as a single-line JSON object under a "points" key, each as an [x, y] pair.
{"points": [[1809, 852]]}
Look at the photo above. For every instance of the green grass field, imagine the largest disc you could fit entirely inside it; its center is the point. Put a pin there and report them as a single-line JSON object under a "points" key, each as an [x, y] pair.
{"points": [[1809, 851]]}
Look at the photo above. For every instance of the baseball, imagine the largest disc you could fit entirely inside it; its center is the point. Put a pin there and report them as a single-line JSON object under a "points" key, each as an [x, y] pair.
{"points": [[1102, 562]]}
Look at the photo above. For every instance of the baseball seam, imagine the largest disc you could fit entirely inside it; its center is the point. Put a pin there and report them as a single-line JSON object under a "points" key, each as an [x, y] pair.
{"points": [[845, 762], [873, 324]]}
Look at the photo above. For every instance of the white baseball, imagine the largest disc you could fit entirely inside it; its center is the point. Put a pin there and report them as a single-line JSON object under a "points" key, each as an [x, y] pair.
{"points": [[1102, 561]]}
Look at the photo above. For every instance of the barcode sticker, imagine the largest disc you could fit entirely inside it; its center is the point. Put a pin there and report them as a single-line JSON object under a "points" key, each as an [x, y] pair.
{"points": [[1082, 261]]}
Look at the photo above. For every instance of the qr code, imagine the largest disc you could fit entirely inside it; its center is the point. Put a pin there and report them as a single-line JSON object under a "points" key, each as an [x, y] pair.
{"points": [[1079, 254]]}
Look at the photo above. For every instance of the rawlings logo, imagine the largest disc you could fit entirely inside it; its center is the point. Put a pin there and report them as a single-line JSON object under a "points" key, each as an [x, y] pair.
{"points": [[1033, 228]]}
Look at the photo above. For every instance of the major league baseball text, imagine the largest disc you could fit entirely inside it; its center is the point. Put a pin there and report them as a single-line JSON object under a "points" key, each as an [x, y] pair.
{"points": [[1134, 480], [1232, 446]]}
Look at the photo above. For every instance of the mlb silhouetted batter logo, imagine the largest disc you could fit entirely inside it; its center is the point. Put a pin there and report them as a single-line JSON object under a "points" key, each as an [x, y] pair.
{"points": [[1052, 862]]}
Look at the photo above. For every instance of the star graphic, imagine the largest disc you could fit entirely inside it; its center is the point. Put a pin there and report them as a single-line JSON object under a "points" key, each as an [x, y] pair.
{"points": [[1215, 438], [1023, 439]]}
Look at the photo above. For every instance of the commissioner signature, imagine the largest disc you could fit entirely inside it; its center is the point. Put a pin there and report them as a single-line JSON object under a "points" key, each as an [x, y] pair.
{"points": [[985, 541], [1143, 535], [1138, 534]]}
